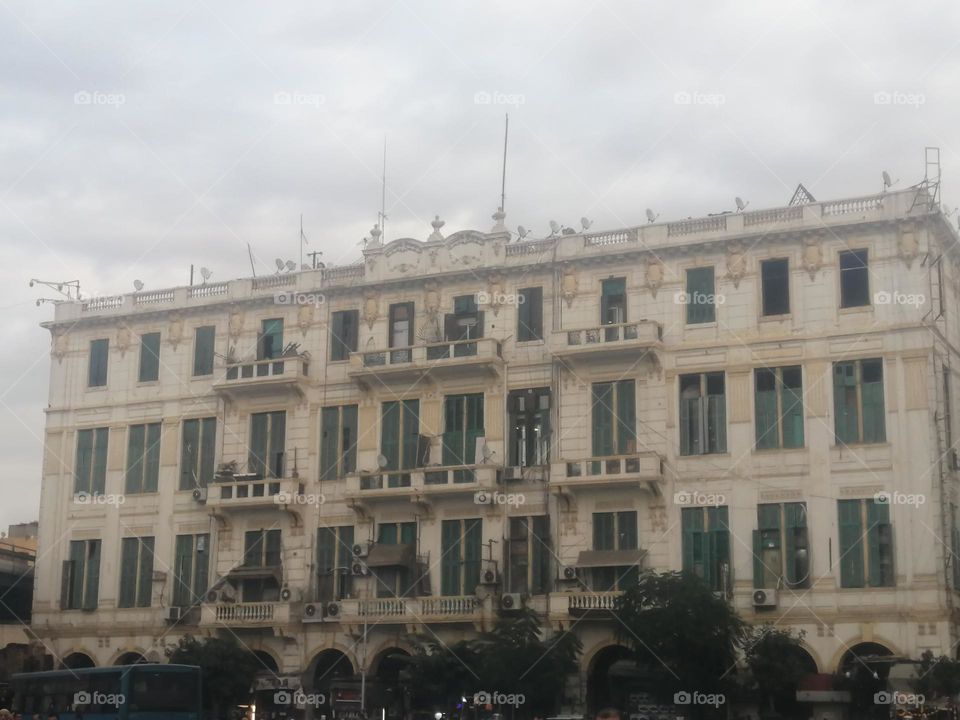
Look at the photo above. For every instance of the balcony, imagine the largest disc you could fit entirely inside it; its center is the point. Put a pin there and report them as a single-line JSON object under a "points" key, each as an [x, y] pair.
{"points": [[419, 483], [245, 492], [625, 341], [584, 603], [643, 469], [287, 375], [445, 360], [245, 615], [411, 610]]}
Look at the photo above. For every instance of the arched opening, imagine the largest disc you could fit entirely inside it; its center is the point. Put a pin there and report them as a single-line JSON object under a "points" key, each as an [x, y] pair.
{"points": [[614, 677], [863, 671], [265, 683], [333, 678], [78, 661], [390, 696], [800, 664], [266, 662], [131, 658]]}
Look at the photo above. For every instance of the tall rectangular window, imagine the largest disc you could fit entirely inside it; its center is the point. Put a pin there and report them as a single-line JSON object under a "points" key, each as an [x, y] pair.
{"points": [[461, 544], [197, 452], [463, 425], [701, 296], [530, 314], [136, 572], [858, 401], [854, 278], [90, 469], [866, 544], [334, 560], [400, 332], [338, 441], [778, 400], [80, 583], [261, 548], [395, 580], [97, 363], [268, 443], [775, 286], [344, 326], [143, 458], [203, 349], [465, 323], [615, 531], [399, 439], [528, 555], [149, 357], [703, 414], [781, 549], [270, 340], [705, 539], [613, 301], [614, 418], [529, 427], [191, 569]]}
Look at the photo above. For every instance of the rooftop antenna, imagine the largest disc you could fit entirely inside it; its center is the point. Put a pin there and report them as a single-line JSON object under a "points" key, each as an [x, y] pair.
{"points": [[70, 289], [280, 265], [313, 259], [503, 175], [554, 227], [291, 265], [250, 253], [205, 273], [382, 215], [303, 240]]}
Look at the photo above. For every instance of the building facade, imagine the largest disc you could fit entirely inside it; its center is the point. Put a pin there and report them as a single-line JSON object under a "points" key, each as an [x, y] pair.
{"points": [[324, 463]]}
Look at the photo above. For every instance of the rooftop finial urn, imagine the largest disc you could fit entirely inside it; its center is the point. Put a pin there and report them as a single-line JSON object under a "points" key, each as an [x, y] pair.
{"points": [[436, 225]]}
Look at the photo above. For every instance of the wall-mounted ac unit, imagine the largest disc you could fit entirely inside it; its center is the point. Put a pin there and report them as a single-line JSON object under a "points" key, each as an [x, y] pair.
{"points": [[200, 494], [489, 577], [567, 573], [361, 550], [312, 612], [172, 614], [513, 473], [331, 611], [765, 597], [359, 568], [511, 601], [287, 593]]}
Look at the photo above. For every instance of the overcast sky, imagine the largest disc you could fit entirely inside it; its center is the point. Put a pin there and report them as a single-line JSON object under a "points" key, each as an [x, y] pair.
{"points": [[137, 138]]}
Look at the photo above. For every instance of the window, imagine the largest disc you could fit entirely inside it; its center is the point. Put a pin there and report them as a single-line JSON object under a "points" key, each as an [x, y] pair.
{"points": [[858, 401], [90, 473], [191, 569], [866, 543], [338, 441], [778, 400], [203, 347], [614, 418], [267, 443], [528, 555], [775, 286], [703, 414], [530, 314], [615, 531], [80, 583], [149, 357], [262, 549], [143, 458], [613, 301], [136, 572], [197, 452], [463, 423], [270, 341], [781, 551], [344, 325], [395, 580], [400, 332], [854, 279], [705, 537], [334, 556], [466, 323], [97, 368], [529, 427], [400, 439], [461, 542], [701, 296]]}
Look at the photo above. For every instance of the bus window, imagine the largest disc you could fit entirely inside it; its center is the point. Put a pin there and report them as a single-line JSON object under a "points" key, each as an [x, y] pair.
{"points": [[159, 691]]}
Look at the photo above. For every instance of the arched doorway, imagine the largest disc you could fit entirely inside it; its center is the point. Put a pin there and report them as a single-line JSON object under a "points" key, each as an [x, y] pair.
{"points": [[265, 684], [333, 678], [131, 658], [864, 670], [612, 677], [796, 662], [389, 697], [78, 661]]}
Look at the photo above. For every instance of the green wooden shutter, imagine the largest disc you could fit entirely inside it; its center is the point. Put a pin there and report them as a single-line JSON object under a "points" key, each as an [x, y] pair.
{"points": [[602, 404], [101, 438], [453, 436], [326, 549], [791, 403], [82, 479], [603, 531], [878, 524], [149, 357], [716, 413], [627, 530], [77, 574], [408, 533], [92, 567], [691, 527], [758, 575], [257, 458], [201, 566], [136, 435], [846, 421], [97, 364], [626, 417], [387, 534], [348, 432], [690, 426], [273, 555], [450, 557], [700, 289], [851, 543], [278, 443], [472, 554], [795, 522], [183, 570], [390, 434], [252, 548], [411, 433], [765, 402], [719, 538], [145, 547], [474, 427], [208, 450], [329, 441], [151, 466], [189, 453], [871, 392], [540, 551]]}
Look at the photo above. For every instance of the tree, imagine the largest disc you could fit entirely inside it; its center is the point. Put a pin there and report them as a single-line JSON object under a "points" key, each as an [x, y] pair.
{"points": [[937, 677], [775, 662], [227, 670], [684, 635]]}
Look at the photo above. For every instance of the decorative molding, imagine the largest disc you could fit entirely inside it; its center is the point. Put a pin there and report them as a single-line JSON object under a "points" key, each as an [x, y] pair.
{"points": [[569, 285], [175, 331], [58, 344], [654, 275], [235, 325], [305, 318], [736, 263], [124, 339], [371, 308], [812, 255], [908, 246]]}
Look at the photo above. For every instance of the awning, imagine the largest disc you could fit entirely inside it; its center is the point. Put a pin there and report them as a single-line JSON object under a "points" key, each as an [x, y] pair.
{"points": [[610, 558], [383, 555], [245, 572]]}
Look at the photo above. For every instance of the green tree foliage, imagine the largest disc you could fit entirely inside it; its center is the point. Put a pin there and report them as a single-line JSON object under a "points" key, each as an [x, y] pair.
{"points": [[937, 677], [227, 670], [775, 663]]}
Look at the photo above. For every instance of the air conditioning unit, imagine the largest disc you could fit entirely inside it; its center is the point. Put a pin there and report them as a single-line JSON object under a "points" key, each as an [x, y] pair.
{"points": [[567, 573], [172, 614], [766, 597], [511, 601], [359, 568], [212, 596], [331, 611], [312, 612], [361, 550], [513, 473], [483, 497], [489, 577], [200, 494], [286, 593]]}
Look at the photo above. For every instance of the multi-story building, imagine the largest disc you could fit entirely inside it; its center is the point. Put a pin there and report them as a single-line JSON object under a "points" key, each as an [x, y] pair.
{"points": [[327, 462]]}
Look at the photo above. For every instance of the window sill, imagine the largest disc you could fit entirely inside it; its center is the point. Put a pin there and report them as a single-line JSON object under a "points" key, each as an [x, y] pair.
{"points": [[775, 318], [855, 445], [856, 309], [96, 388], [337, 362], [526, 343], [768, 451], [725, 453], [694, 326], [147, 383], [207, 376]]}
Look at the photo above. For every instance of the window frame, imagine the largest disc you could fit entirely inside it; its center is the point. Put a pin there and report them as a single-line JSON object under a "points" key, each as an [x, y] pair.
{"points": [[842, 417], [696, 313], [136, 572], [460, 571], [345, 455], [780, 391], [266, 465], [98, 363], [148, 370], [719, 447], [863, 255], [200, 363], [764, 279], [698, 532], [203, 459], [142, 470], [342, 344], [530, 314], [864, 553], [791, 533], [188, 564]]}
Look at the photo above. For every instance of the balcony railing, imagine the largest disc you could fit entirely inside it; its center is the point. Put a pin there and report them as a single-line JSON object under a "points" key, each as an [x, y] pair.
{"points": [[606, 338], [245, 614], [255, 491], [434, 479], [289, 372], [453, 357], [385, 611], [448, 607], [645, 467]]}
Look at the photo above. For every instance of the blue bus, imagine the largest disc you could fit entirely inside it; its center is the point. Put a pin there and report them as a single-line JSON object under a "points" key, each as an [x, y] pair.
{"points": [[129, 692]]}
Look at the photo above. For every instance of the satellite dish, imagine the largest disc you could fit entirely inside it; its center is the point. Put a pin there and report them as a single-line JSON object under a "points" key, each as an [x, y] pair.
{"points": [[554, 227], [522, 231], [585, 223], [651, 217], [291, 265], [382, 461], [138, 285], [205, 273], [280, 264], [741, 205], [887, 182]]}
